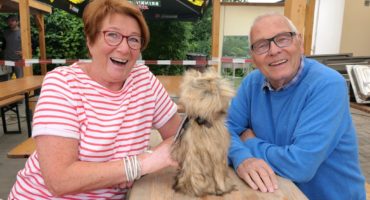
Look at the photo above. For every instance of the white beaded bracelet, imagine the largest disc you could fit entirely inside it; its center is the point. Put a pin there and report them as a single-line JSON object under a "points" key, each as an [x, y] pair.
{"points": [[132, 168]]}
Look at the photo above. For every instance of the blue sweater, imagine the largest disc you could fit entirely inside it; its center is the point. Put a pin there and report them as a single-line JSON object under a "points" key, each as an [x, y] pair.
{"points": [[304, 132]]}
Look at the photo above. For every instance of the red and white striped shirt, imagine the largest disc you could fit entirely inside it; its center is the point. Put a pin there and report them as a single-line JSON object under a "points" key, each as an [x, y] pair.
{"points": [[108, 124]]}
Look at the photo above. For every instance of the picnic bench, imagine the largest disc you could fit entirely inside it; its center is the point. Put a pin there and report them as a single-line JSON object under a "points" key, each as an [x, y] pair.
{"points": [[23, 150], [10, 104]]}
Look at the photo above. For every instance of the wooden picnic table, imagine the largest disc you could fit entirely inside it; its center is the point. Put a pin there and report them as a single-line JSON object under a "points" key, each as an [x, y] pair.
{"points": [[22, 86], [172, 86], [158, 186]]}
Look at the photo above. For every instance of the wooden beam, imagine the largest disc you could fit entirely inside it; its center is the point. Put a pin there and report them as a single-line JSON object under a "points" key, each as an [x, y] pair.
{"points": [[216, 7], [40, 24], [25, 25], [295, 10], [37, 5], [310, 16]]}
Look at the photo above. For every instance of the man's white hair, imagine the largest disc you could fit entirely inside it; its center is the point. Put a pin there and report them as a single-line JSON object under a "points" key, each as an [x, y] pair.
{"points": [[292, 27]]}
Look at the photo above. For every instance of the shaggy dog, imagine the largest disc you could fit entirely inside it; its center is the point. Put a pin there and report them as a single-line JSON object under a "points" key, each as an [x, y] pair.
{"points": [[202, 143]]}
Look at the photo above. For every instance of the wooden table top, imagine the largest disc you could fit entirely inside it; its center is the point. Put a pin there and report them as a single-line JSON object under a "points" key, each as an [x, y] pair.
{"points": [[158, 186], [22, 85], [171, 84], [19, 86]]}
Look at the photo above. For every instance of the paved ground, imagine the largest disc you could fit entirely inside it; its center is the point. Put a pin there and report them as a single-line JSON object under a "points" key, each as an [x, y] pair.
{"points": [[9, 167], [362, 122]]}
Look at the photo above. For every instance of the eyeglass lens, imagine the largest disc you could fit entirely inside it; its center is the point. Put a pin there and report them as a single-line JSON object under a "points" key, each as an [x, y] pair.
{"points": [[114, 38], [281, 40]]}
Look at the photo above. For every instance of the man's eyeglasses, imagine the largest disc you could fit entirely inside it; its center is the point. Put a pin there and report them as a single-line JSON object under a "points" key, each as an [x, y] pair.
{"points": [[114, 39], [281, 40]]}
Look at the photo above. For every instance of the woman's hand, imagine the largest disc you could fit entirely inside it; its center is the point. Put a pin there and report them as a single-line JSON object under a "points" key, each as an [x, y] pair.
{"points": [[158, 159]]}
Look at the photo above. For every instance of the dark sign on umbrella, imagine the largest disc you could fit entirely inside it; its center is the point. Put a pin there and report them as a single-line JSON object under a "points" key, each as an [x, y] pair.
{"points": [[152, 9]]}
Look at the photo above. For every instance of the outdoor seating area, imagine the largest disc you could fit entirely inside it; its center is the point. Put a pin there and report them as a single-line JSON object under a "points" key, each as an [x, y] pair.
{"points": [[100, 103]]}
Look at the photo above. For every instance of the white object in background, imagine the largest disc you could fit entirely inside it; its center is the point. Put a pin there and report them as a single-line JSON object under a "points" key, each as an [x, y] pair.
{"points": [[360, 80]]}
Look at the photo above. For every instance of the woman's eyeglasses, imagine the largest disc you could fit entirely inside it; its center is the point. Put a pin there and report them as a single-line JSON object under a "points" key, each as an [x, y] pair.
{"points": [[114, 39]]}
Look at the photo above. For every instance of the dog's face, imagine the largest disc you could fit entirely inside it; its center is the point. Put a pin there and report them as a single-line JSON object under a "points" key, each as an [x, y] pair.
{"points": [[206, 94]]}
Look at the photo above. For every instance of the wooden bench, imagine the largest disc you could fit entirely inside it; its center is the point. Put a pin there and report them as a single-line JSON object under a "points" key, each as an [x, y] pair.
{"points": [[10, 104], [27, 147], [23, 150], [367, 187]]}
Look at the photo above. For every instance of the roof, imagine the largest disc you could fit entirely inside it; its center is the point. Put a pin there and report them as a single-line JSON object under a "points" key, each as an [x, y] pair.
{"points": [[12, 6], [152, 9]]}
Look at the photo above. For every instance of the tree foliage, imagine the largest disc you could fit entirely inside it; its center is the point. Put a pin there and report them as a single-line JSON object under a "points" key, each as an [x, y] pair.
{"points": [[200, 41], [168, 41], [172, 40], [236, 46], [64, 36]]}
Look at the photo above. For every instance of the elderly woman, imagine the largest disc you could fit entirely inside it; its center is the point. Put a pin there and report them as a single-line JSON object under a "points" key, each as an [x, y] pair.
{"points": [[93, 120]]}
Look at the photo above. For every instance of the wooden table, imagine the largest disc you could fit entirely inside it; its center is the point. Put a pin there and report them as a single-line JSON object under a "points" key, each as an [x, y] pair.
{"points": [[158, 186], [172, 86], [21, 86]]}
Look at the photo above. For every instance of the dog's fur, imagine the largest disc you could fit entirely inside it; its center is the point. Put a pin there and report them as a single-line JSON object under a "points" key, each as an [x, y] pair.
{"points": [[201, 149]]}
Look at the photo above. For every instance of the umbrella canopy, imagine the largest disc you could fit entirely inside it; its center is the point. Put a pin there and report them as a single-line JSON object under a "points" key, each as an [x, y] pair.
{"points": [[152, 9]]}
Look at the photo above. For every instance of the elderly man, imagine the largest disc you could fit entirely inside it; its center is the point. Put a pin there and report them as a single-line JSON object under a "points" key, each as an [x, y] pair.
{"points": [[291, 117]]}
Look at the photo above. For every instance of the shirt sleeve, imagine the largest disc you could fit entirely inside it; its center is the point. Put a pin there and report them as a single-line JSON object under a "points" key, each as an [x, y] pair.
{"points": [[238, 121], [55, 113]]}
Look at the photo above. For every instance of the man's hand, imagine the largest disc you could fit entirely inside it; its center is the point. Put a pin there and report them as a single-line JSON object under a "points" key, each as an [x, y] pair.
{"points": [[258, 175], [256, 172]]}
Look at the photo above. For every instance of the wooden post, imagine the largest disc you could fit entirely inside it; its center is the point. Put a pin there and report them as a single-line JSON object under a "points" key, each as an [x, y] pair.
{"points": [[40, 24], [25, 25], [295, 10], [215, 30], [310, 16]]}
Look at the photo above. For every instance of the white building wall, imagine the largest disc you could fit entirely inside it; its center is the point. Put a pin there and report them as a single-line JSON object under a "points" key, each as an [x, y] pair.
{"points": [[327, 26], [237, 20], [356, 29]]}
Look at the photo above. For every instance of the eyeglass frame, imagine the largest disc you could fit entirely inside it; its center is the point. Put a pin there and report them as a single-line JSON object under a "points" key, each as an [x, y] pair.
{"points": [[272, 39], [123, 36]]}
